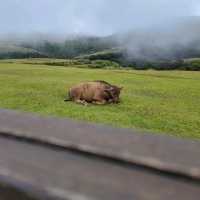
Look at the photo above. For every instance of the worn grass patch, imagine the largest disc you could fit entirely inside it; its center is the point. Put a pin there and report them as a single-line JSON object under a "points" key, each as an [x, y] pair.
{"points": [[163, 102]]}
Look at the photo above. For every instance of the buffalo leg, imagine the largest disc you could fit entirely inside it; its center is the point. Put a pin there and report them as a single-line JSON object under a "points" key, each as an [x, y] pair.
{"points": [[81, 102], [102, 102], [99, 99]]}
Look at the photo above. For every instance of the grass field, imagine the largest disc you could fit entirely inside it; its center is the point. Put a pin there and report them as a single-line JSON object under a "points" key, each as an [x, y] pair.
{"points": [[162, 102]]}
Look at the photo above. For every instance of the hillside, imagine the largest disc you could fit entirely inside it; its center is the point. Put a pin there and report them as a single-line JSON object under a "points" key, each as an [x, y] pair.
{"points": [[13, 51], [72, 47], [165, 46]]}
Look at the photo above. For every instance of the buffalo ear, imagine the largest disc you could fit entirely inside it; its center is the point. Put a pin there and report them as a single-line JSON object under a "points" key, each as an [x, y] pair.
{"points": [[120, 88]]}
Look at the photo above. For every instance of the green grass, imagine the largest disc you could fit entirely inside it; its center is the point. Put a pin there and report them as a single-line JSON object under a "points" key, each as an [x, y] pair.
{"points": [[80, 63], [162, 102]]}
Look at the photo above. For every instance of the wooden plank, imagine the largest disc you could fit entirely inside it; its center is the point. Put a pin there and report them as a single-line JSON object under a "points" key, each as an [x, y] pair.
{"points": [[43, 172], [168, 154], [48, 158]]}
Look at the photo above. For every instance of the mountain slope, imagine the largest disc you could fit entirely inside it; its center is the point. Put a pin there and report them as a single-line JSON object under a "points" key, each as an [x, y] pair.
{"points": [[13, 51]]}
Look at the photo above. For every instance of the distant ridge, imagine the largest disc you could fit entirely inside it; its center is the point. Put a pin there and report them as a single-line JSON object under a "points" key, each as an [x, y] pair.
{"points": [[8, 51], [175, 40]]}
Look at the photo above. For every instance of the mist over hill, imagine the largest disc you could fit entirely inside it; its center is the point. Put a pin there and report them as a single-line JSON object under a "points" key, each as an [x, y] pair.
{"points": [[171, 41], [177, 40], [127, 32]]}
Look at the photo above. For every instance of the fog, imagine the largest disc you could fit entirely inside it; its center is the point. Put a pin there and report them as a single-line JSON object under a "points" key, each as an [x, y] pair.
{"points": [[172, 40], [148, 29], [93, 17]]}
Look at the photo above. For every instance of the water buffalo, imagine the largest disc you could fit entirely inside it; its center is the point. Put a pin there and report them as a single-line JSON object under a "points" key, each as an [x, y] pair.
{"points": [[96, 92]]}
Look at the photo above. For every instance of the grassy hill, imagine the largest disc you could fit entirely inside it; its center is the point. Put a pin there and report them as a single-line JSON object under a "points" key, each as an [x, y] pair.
{"points": [[159, 101], [13, 51], [120, 56]]}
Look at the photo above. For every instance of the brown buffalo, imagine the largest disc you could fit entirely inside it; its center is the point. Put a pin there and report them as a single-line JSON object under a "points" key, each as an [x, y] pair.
{"points": [[96, 92]]}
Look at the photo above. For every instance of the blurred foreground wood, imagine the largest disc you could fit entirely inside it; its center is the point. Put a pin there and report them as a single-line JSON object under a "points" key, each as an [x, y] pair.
{"points": [[49, 158]]}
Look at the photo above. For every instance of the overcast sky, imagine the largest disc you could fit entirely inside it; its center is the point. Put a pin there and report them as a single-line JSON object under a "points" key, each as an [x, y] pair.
{"points": [[100, 17]]}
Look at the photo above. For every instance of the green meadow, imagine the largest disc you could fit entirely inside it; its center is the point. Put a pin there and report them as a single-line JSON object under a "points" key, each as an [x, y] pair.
{"points": [[163, 102]]}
